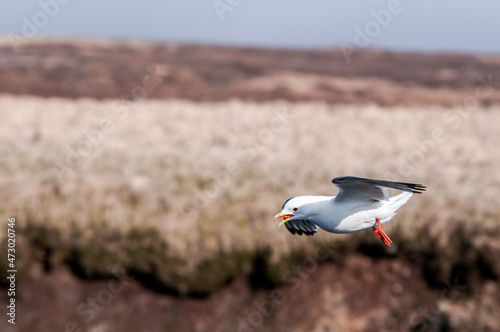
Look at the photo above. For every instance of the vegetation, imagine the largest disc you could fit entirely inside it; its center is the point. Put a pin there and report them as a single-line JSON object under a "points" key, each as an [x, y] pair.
{"points": [[186, 192]]}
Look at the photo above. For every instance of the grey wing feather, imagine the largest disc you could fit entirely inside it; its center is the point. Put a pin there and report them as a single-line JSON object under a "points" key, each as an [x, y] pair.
{"points": [[300, 226], [359, 189]]}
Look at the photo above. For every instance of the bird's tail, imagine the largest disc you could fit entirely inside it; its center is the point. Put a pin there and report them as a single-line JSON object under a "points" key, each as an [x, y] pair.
{"points": [[395, 202], [399, 200]]}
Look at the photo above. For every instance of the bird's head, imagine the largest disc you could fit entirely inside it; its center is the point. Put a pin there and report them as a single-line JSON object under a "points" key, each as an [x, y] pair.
{"points": [[295, 207]]}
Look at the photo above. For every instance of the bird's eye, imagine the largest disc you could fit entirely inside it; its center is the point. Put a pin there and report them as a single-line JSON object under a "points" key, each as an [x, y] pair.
{"points": [[295, 209]]}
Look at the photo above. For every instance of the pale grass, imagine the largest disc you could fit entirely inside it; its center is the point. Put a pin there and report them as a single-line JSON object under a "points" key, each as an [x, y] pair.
{"points": [[211, 176]]}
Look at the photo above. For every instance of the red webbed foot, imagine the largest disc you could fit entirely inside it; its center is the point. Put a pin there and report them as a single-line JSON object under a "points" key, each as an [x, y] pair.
{"points": [[381, 234]]}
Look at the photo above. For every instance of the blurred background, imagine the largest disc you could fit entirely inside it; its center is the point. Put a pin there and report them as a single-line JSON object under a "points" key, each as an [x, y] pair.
{"points": [[146, 147]]}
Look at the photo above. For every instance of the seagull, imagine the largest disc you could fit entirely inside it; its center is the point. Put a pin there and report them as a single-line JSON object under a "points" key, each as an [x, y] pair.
{"points": [[361, 204]]}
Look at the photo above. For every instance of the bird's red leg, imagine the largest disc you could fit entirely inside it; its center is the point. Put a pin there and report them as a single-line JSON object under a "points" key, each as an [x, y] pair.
{"points": [[381, 234]]}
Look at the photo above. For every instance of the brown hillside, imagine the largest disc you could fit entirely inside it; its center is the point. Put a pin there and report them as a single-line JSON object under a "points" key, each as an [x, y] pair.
{"points": [[207, 73]]}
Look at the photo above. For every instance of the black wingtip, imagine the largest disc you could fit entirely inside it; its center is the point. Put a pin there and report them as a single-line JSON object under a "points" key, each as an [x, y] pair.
{"points": [[416, 188], [339, 179], [293, 227]]}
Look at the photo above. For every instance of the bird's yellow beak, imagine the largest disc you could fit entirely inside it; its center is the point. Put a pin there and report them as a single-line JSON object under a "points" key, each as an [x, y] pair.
{"points": [[284, 216]]}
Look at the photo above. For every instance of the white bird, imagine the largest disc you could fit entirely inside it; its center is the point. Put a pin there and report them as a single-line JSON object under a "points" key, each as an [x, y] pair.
{"points": [[360, 204]]}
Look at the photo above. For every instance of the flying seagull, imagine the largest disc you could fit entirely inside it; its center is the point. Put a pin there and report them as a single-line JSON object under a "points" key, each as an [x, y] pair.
{"points": [[361, 204]]}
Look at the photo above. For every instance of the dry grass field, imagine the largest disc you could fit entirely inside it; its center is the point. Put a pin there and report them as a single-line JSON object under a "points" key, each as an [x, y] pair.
{"points": [[207, 178]]}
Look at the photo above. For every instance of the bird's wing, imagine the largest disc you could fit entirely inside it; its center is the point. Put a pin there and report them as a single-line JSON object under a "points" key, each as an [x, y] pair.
{"points": [[301, 226], [360, 189]]}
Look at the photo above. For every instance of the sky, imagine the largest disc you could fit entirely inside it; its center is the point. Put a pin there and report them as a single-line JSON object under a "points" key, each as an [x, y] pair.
{"points": [[403, 25]]}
